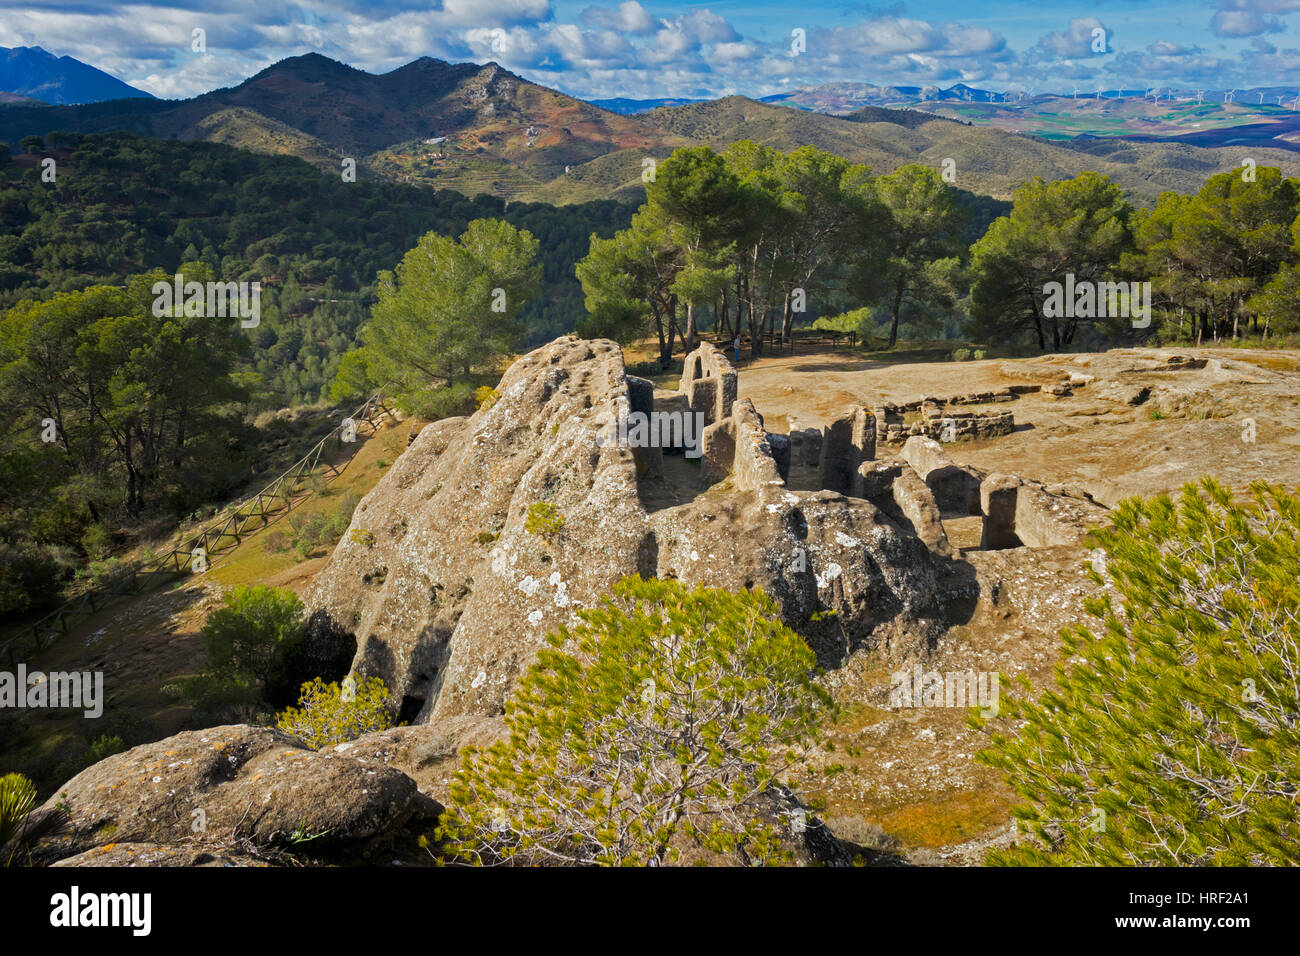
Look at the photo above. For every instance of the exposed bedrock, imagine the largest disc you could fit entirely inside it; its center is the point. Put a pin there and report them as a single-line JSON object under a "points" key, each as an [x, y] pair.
{"points": [[491, 531]]}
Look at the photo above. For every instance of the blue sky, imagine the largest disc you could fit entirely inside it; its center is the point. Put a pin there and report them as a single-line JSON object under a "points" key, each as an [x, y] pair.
{"points": [[646, 49]]}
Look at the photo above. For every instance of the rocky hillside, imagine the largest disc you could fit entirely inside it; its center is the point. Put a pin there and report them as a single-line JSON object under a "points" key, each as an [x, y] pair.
{"points": [[489, 532], [449, 593]]}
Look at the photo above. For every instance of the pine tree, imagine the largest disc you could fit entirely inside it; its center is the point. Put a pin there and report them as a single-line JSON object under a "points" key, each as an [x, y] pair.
{"points": [[1172, 736], [657, 723]]}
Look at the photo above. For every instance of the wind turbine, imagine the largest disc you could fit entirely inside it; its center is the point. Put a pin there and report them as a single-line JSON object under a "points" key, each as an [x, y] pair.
{"points": [[1076, 92], [1227, 97], [1261, 99], [1099, 94], [1200, 97]]}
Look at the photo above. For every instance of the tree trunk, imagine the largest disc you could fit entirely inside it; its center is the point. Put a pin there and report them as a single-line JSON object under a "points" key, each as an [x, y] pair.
{"points": [[894, 312], [666, 359], [659, 329]]}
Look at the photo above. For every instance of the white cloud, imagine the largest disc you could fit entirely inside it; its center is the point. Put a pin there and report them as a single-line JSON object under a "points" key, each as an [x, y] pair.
{"points": [[1076, 41], [1243, 23], [630, 17], [890, 35], [626, 47]]}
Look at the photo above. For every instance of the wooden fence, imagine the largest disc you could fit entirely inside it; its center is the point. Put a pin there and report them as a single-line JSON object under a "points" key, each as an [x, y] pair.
{"points": [[195, 550]]}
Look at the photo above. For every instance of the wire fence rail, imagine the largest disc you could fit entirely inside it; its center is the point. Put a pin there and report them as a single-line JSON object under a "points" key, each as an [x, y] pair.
{"points": [[195, 550]]}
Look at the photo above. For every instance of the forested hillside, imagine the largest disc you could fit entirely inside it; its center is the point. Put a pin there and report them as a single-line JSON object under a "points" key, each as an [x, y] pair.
{"points": [[122, 205]]}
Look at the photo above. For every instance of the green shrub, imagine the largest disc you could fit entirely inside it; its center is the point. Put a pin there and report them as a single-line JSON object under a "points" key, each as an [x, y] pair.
{"points": [[444, 401], [858, 320], [308, 533], [217, 694], [252, 636], [663, 718], [108, 573], [104, 746], [347, 505], [32, 577], [544, 519], [327, 714], [1172, 736], [17, 800], [97, 542]]}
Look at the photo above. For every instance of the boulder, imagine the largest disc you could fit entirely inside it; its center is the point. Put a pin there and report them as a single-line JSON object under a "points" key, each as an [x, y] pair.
{"points": [[225, 785], [447, 576], [427, 753], [875, 479], [154, 854]]}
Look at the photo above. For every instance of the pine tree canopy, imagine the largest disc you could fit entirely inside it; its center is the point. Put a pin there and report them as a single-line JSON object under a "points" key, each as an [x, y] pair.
{"points": [[1172, 736], [655, 724]]}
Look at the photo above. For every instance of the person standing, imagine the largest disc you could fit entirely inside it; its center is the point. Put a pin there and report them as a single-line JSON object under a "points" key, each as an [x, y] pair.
{"points": [[736, 345]]}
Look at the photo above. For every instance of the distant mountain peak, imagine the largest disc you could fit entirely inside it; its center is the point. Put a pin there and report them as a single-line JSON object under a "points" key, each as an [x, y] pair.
{"points": [[308, 64], [37, 73]]}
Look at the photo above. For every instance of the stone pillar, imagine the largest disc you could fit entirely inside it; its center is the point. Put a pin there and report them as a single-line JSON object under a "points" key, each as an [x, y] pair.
{"points": [[703, 397], [812, 446], [864, 437], [998, 495], [917, 505], [691, 370], [641, 398], [719, 452], [849, 441], [726, 393], [835, 466], [640, 394], [780, 445], [875, 479]]}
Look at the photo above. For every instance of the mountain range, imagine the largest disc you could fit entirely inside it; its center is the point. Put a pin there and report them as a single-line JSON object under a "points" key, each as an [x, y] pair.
{"points": [[29, 71], [480, 128]]}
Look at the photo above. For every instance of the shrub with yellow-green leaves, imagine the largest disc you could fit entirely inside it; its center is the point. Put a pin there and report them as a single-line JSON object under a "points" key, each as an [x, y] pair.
{"points": [[544, 519], [1172, 736], [17, 799], [332, 714], [658, 723]]}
